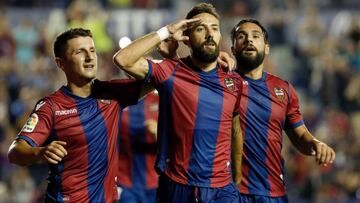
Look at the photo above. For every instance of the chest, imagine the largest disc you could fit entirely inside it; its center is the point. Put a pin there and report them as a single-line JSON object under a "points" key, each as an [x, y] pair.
{"points": [[206, 91], [85, 121], [265, 102]]}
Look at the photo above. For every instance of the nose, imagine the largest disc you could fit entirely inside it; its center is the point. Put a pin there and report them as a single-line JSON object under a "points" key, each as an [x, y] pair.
{"points": [[249, 39], [209, 33], [90, 55]]}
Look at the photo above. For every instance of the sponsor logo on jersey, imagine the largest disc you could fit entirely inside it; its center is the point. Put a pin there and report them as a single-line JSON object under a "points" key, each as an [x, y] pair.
{"points": [[229, 83], [31, 123], [245, 82], [65, 112], [39, 105], [279, 93]]}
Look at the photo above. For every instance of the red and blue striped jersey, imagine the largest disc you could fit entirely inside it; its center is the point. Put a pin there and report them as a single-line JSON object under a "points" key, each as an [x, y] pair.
{"points": [[267, 106], [90, 127], [196, 110], [138, 145]]}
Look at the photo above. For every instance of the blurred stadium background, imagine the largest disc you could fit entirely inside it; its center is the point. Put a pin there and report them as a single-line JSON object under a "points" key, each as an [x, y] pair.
{"points": [[314, 44]]}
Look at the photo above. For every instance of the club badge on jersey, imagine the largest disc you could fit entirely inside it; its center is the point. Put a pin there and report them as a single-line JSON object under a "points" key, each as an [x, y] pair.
{"points": [[229, 83], [279, 92]]}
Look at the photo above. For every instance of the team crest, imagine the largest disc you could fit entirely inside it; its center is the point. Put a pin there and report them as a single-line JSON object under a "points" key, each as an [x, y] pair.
{"points": [[31, 123], [229, 83], [105, 101], [279, 93]]}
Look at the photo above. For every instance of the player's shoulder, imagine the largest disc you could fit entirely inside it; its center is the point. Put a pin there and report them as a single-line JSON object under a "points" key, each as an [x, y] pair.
{"points": [[165, 61], [276, 79]]}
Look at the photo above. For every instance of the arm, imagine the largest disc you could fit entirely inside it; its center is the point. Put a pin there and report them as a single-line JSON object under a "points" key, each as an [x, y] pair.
{"points": [[151, 126], [236, 150], [307, 144], [21, 153], [167, 49], [131, 57]]}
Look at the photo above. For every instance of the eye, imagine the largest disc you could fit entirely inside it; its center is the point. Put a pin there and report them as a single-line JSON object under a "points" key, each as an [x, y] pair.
{"points": [[257, 36], [240, 36], [199, 29]]}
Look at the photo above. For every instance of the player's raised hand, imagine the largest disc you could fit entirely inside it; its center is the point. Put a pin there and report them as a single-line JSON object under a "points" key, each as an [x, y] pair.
{"points": [[323, 153], [177, 29], [225, 60], [54, 152]]}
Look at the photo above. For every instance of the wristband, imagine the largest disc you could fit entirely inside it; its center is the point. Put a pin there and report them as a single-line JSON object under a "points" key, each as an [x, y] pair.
{"points": [[163, 33]]}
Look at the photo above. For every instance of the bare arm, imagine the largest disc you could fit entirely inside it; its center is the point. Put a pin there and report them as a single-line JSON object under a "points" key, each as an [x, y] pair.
{"points": [[307, 144], [236, 150], [21, 153], [167, 49], [131, 57]]}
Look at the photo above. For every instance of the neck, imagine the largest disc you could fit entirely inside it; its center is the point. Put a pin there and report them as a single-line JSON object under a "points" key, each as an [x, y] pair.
{"points": [[83, 90], [254, 74], [204, 66]]}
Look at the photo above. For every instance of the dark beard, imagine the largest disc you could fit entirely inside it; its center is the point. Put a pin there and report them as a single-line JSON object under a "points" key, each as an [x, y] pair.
{"points": [[248, 63], [205, 56]]}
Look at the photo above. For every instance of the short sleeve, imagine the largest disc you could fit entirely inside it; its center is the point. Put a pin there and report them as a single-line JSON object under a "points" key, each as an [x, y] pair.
{"points": [[293, 115], [160, 70], [239, 93], [38, 126]]}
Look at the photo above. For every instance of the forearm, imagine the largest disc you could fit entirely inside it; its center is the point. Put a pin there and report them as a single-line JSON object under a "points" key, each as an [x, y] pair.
{"points": [[302, 139], [23, 155], [236, 151], [127, 57]]}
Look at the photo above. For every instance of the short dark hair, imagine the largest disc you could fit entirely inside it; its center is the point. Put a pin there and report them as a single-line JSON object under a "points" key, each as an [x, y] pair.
{"points": [[202, 8], [248, 20], [60, 42]]}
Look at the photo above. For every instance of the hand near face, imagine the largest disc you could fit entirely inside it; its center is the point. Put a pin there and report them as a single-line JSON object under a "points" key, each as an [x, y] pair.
{"points": [[323, 153], [177, 29]]}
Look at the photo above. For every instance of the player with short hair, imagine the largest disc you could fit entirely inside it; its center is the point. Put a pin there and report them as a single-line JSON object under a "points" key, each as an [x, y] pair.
{"points": [[197, 109], [75, 129], [268, 106]]}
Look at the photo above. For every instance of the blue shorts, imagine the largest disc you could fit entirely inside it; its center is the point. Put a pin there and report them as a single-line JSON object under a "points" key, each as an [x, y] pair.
{"points": [[245, 198], [172, 192], [130, 195]]}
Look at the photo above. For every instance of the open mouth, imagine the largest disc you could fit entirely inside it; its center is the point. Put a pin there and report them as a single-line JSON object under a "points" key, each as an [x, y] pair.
{"points": [[89, 66], [250, 48]]}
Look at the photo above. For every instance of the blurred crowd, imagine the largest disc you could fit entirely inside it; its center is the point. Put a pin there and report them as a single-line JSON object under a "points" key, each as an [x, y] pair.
{"points": [[319, 52]]}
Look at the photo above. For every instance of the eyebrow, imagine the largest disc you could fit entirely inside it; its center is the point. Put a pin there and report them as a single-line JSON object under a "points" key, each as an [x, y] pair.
{"points": [[210, 24], [244, 32]]}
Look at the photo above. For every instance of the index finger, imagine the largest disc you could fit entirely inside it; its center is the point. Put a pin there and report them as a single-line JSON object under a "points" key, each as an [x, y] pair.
{"points": [[192, 22], [60, 142]]}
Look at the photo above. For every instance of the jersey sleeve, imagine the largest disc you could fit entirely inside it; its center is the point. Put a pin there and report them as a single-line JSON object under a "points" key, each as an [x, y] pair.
{"points": [[125, 91], [38, 126], [293, 116], [238, 98], [160, 71]]}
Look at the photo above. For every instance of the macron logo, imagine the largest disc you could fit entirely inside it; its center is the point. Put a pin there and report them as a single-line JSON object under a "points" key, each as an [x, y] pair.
{"points": [[65, 112]]}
